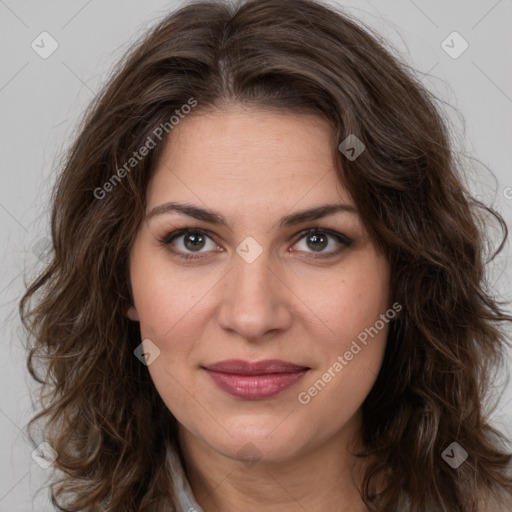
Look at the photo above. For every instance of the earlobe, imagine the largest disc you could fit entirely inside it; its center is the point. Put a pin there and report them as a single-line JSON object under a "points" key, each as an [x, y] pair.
{"points": [[132, 314]]}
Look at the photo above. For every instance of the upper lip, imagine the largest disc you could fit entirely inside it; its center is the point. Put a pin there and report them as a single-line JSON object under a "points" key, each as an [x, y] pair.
{"points": [[240, 367]]}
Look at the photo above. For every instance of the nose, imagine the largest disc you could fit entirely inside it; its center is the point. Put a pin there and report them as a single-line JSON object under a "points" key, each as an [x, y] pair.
{"points": [[254, 301]]}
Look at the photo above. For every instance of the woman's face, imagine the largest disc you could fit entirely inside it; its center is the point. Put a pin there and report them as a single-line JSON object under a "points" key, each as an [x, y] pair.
{"points": [[256, 287]]}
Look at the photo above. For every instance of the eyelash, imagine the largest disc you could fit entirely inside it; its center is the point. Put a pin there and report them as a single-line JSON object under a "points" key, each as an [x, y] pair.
{"points": [[342, 239]]}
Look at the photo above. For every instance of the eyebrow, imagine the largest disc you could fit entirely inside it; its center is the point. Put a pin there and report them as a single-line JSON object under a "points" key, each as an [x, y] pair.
{"points": [[213, 217]]}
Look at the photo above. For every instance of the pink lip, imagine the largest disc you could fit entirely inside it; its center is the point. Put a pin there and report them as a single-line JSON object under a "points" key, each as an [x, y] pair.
{"points": [[255, 381]]}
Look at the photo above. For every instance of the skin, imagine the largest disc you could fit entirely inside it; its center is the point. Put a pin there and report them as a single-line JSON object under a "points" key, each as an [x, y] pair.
{"points": [[254, 167]]}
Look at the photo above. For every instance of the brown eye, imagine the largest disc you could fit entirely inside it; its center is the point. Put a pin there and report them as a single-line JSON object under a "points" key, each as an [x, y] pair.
{"points": [[194, 241], [316, 240], [185, 242]]}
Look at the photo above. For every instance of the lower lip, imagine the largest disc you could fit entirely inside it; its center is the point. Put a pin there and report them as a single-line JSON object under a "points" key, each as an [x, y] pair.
{"points": [[255, 387]]}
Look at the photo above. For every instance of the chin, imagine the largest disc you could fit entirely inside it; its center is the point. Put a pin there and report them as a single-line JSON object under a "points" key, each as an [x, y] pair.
{"points": [[268, 441]]}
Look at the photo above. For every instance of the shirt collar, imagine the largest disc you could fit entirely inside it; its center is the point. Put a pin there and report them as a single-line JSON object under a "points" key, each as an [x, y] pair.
{"points": [[185, 499]]}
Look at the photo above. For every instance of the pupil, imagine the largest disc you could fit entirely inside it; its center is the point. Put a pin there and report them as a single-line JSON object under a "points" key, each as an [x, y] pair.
{"points": [[196, 240], [318, 239]]}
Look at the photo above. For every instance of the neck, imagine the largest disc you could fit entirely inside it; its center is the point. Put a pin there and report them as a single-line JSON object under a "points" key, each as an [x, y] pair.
{"points": [[323, 477]]}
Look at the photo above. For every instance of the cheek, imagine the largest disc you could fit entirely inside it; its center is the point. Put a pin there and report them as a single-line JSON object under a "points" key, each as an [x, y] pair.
{"points": [[345, 303], [172, 311], [167, 297], [352, 346]]}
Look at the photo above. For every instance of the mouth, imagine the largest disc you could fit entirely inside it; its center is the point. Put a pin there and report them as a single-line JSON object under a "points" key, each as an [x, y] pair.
{"points": [[255, 380]]}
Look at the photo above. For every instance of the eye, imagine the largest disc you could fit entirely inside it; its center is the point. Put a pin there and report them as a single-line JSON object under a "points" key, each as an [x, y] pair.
{"points": [[318, 239], [191, 240], [188, 243]]}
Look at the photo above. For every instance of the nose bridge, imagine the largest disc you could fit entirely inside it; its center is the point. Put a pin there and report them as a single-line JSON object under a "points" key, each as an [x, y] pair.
{"points": [[253, 301]]}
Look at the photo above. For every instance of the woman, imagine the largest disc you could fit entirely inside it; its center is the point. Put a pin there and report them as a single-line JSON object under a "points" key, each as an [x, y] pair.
{"points": [[267, 284]]}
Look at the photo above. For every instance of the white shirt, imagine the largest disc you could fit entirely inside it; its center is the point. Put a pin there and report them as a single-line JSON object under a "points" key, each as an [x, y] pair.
{"points": [[184, 496]]}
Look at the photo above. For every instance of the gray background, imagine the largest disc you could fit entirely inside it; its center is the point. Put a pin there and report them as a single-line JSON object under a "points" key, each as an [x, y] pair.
{"points": [[41, 101]]}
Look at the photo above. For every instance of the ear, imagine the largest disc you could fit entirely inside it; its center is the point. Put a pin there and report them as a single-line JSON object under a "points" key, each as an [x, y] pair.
{"points": [[133, 314]]}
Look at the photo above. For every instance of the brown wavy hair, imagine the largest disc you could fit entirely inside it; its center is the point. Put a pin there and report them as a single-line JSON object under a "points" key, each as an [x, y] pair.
{"points": [[102, 412]]}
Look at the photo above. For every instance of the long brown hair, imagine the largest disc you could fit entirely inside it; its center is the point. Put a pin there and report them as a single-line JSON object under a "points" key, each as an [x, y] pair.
{"points": [[104, 416]]}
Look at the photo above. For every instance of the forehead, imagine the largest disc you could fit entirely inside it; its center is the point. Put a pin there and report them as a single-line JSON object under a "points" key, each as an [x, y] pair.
{"points": [[248, 156]]}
